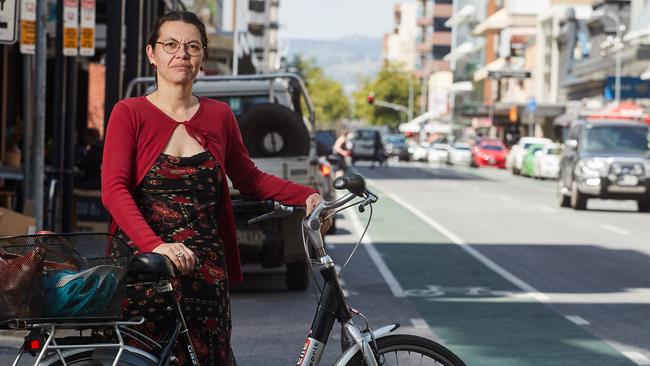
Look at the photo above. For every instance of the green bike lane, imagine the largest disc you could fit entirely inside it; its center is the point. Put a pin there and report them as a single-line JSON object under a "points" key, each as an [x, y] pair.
{"points": [[477, 313]]}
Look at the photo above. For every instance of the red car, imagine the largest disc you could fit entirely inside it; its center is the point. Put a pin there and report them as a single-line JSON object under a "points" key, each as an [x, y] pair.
{"points": [[489, 153]]}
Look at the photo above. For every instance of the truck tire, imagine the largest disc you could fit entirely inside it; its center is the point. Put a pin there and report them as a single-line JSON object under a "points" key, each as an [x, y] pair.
{"points": [[643, 205], [297, 276], [272, 130]]}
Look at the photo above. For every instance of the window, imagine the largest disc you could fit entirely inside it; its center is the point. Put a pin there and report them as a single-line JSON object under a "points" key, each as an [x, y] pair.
{"points": [[444, 1], [256, 5], [439, 25], [440, 51]]}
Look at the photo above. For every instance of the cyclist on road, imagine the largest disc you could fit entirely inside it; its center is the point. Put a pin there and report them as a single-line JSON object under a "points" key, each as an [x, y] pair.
{"points": [[165, 163]]}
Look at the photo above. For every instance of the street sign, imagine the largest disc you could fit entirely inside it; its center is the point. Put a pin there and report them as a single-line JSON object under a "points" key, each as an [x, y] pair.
{"points": [[70, 27], [8, 18], [28, 27], [87, 42], [506, 73], [532, 104]]}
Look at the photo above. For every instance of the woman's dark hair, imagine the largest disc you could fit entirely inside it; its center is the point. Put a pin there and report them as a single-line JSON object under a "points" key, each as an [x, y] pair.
{"points": [[179, 16]]}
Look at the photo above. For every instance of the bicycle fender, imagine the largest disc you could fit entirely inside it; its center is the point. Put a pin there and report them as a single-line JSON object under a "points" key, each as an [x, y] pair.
{"points": [[352, 350]]}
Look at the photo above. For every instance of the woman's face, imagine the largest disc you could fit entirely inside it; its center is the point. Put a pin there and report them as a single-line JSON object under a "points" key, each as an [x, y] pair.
{"points": [[181, 66]]}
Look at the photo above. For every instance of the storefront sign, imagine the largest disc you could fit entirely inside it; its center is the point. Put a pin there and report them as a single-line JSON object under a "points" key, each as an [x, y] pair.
{"points": [[511, 74], [70, 27], [28, 27], [8, 17], [631, 88], [87, 42]]}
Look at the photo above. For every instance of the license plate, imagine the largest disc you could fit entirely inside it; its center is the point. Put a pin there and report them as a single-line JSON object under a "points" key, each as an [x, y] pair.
{"points": [[492, 161], [250, 237], [628, 180]]}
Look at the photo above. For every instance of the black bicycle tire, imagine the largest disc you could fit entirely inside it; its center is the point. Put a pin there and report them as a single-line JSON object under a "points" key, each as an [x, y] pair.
{"points": [[85, 358], [406, 342]]}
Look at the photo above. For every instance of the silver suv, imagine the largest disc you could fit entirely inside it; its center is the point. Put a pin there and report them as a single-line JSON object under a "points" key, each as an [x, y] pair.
{"points": [[606, 159]]}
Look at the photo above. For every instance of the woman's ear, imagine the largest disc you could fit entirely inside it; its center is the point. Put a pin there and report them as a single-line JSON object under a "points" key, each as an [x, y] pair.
{"points": [[151, 55]]}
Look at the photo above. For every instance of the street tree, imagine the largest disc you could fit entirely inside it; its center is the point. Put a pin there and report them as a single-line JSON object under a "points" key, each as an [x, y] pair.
{"points": [[330, 103], [390, 85]]}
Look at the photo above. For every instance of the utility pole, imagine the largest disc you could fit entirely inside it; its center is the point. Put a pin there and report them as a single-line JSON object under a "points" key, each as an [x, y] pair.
{"points": [[39, 151], [235, 39]]}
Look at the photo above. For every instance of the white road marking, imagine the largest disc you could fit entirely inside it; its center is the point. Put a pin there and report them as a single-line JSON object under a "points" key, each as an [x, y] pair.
{"points": [[547, 209], [615, 229], [424, 330], [467, 248], [505, 197], [388, 276], [419, 323], [637, 357], [577, 320]]}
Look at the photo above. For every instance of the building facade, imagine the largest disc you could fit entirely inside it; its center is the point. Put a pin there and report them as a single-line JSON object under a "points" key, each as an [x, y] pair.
{"points": [[399, 45], [433, 43]]}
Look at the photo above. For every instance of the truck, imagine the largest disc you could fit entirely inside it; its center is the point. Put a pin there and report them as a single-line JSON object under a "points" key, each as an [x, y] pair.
{"points": [[278, 134]]}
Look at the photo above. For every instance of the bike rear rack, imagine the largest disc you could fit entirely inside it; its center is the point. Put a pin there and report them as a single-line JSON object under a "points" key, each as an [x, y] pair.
{"points": [[51, 345]]}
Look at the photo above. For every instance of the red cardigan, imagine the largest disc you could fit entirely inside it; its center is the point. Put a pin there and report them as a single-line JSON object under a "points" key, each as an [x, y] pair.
{"points": [[136, 135]]}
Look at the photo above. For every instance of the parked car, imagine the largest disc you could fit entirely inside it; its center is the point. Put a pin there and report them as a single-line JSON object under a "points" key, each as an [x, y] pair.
{"points": [[547, 162], [438, 153], [367, 145], [419, 152], [489, 153], [395, 146], [516, 156], [606, 159], [529, 159], [459, 154], [325, 140]]}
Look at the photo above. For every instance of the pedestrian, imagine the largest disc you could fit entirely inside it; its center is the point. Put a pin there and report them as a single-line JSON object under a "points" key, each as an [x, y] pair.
{"points": [[342, 151], [165, 162]]}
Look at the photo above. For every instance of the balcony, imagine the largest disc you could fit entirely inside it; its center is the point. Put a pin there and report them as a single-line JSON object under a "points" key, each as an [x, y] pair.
{"points": [[256, 29]]}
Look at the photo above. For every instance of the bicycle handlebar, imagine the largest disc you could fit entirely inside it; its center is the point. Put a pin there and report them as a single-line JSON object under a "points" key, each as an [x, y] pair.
{"points": [[355, 184]]}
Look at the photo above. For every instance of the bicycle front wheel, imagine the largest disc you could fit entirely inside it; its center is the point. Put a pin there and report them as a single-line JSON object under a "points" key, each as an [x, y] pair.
{"points": [[404, 349]]}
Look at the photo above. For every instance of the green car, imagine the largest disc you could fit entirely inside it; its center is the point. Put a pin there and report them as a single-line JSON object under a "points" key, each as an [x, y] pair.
{"points": [[529, 159]]}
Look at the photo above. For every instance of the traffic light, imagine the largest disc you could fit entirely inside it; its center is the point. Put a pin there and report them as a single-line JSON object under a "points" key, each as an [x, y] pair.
{"points": [[512, 114], [371, 98]]}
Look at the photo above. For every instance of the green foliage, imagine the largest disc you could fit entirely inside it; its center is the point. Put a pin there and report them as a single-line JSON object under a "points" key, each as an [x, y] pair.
{"points": [[330, 103], [390, 85]]}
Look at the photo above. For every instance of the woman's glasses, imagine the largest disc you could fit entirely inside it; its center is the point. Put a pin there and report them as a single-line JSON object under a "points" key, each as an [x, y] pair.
{"points": [[191, 48]]}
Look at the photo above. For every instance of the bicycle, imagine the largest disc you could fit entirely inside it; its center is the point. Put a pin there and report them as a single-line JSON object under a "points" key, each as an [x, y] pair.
{"points": [[360, 346]]}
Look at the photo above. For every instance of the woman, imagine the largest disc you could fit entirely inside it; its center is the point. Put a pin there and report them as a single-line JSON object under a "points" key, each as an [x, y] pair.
{"points": [[341, 150], [166, 157]]}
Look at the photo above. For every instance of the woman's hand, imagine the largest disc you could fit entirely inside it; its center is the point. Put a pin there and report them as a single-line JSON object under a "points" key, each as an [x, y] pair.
{"points": [[312, 201], [182, 257]]}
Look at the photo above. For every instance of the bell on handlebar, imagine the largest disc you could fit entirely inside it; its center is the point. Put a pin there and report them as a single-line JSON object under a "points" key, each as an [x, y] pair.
{"points": [[353, 183]]}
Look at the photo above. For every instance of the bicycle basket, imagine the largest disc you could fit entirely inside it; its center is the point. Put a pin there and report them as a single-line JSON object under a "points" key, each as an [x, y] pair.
{"points": [[60, 277]]}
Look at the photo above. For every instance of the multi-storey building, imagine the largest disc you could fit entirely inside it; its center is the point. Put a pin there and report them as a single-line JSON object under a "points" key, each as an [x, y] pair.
{"points": [[509, 31], [399, 45], [262, 26], [465, 58], [433, 43]]}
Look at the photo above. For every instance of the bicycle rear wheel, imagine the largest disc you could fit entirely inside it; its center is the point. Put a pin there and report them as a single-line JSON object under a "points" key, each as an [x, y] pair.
{"points": [[404, 350]]}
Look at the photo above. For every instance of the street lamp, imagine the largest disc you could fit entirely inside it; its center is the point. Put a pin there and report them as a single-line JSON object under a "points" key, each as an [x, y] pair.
{"points": [[618, 44]]}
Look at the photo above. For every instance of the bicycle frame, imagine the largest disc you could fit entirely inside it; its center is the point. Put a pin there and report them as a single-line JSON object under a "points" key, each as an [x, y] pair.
{"points": [[332, 304]]}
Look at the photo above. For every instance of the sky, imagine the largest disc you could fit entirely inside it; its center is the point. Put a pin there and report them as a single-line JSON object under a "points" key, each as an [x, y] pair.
{"points": [[334, 19]]}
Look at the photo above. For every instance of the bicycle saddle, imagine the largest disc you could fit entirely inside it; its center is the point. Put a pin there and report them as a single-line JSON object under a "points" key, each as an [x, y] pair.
{"points": [[150, 267]]}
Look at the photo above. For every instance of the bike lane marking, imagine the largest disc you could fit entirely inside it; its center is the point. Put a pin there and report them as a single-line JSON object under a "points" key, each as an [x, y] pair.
{"points": [[484, 313]]}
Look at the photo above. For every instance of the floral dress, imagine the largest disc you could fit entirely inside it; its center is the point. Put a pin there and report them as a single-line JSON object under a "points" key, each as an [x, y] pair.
{"points": [[179, 199]]}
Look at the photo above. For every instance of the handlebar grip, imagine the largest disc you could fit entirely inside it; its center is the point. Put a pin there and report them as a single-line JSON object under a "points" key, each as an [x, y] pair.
{"points": [[252, 205], [353, 183]]}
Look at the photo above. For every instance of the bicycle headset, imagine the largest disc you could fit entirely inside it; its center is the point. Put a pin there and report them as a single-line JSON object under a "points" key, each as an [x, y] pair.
{"points": [[78, 293]]}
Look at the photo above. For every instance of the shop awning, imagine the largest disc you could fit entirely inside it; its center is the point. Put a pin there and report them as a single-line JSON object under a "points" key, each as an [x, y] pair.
{"points": [[496, 21]]}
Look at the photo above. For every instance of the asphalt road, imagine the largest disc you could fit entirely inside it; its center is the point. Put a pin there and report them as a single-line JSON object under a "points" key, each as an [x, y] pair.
{"points": [[480, 260]]}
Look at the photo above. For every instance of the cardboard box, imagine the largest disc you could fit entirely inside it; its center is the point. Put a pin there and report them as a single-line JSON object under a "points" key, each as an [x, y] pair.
{"points": [[14, 223]]}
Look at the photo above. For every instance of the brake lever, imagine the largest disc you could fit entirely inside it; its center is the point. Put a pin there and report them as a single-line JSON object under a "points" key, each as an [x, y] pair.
{"points": [[279, 211]]}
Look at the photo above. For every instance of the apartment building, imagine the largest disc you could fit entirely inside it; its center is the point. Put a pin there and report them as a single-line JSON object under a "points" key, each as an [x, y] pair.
{"points": [[399, 45], [433, 43]]}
